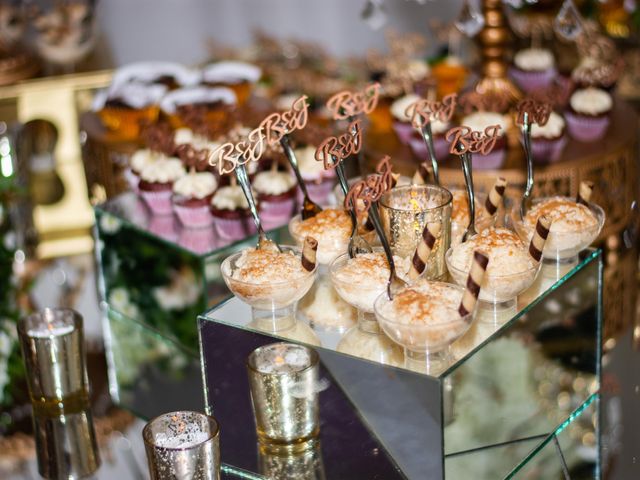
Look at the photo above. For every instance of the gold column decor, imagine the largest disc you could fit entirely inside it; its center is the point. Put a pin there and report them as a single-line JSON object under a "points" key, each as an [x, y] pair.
{"points": [[493, 41]]}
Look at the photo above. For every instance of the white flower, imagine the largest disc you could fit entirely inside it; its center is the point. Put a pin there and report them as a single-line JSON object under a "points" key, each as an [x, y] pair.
{"points": [[130, 310], [109, 223], [119, 299], [5, 344], [182, 292]]}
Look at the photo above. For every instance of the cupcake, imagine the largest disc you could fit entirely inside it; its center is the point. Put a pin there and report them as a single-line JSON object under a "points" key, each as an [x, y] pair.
{"points": [[478, 121], [238, 76], [156, 183], [124, 108], [401, 121], [191, 198], [548, 141], [319, 182], [231, 215], [212, 104], [171, 75], [440, 144], [276, 192], [588, 114], [534, 68], [137, 162]]}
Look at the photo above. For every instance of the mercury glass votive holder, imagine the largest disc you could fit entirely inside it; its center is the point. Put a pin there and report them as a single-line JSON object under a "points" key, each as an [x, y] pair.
{"points": [[183, 445], [406, 210], [283, 381], [52, 345]]}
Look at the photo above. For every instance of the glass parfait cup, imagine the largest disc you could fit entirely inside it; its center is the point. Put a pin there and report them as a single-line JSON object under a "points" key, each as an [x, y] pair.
{"points": [[426, 345], [406, 210], [366, 339], [272, 303]]}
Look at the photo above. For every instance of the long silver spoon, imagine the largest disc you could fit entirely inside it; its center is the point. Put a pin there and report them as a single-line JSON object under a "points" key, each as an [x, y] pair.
{"points": [[263, 241], [357, 244], [526, 135], [309, 207], [465, 158], [427, 135]]}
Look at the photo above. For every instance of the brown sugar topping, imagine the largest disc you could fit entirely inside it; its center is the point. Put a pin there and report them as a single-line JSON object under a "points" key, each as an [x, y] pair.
{"points": [[497, 237], [328, 219], [261, 265], [561, 209]]}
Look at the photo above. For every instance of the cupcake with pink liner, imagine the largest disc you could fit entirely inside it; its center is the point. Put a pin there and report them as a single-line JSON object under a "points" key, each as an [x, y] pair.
{"points": [[588, 114], [319, 181], [401, 121], [198, 240], [479, 121], [164, 226], [276, 195], [137, 162], [548, 141], [156, 183], [191, 198], [441, 146], [230, 211], [534, 68]]}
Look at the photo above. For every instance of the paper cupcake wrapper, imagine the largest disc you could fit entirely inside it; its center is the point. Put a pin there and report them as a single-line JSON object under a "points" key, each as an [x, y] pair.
{"points": [[276, 214], [547, 151], [420, 149], [585, 128], [164, 226], [531, 81], [404, 130], [198, 240], [159, 202], [493, 160], [193, 217], [320, 193], [234, 229]]}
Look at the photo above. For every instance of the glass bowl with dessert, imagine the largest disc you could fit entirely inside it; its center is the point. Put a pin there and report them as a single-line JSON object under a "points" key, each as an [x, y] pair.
{"points": [[331, 227]]}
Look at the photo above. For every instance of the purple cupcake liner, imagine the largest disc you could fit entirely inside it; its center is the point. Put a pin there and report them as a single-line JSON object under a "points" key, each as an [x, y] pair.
{"points": [[532, 81], [234, 228], [547, 151], [198, 240], [585, 128], [493, 160], [164, 226], [404, 130], [159, 202], [193, 216], [276, 214], [319, 192], [419, 148]]}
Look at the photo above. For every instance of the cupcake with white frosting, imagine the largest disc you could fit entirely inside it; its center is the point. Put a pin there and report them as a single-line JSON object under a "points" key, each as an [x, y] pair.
{"points": [[401, 121], [276, 192], [588, 114], [137, 162], [534, 68], [319, 182], [191, 197], [548, 140], [231, 215], [440, 144], [156, 183], [479, 121], [238, 76]]}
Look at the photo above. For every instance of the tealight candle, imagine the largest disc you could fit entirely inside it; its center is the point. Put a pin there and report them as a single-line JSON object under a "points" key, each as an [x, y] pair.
{"points": [[283, 379], [183, 446]]}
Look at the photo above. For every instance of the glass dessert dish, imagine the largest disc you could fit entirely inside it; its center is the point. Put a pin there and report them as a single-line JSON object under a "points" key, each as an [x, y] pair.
{"points": [[574, 227], [332, 229], [460, 216], [404, 213], [510, 272], [423, 318], [270, 282], [359, 281]]}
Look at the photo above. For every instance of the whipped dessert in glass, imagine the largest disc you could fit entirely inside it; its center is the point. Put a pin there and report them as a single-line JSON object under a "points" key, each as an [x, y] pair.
{"points": [[460, 216], [331, 227], [271, 282], [191, 197], [574, 226], [511, 268]]}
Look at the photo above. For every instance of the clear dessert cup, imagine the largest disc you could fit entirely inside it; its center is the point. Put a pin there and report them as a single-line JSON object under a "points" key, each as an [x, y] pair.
{"points": [[404, 213], [562, 246], [426, 345], [498, 292], [272, 300], [483, 219], [331, 244]]}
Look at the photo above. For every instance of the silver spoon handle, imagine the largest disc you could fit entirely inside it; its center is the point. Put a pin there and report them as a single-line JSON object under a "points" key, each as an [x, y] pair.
{"points": [[526, 135], [243, 181], [375, 219], [427, 135], [468, 180], [293, 161]]}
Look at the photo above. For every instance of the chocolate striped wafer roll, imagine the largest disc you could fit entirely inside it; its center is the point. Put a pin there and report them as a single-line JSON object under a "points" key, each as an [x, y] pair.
{"points": [[474, 281], [539, 238], [494, 199], [430, 234], [309, 250], [584, 192], [423, 174]]}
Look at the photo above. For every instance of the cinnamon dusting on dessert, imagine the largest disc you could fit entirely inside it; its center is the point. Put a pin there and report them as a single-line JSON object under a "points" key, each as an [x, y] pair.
{"points": [[563, 212], [434, 305], [266, 266], [328, 219]]}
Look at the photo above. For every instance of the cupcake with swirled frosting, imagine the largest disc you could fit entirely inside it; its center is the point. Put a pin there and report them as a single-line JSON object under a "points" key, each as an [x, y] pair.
{"points": [[231, 215], [191, 197], [548, 140], [156, 183], [534, 68], [588, 114], [479, 121], [276, 192]]}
